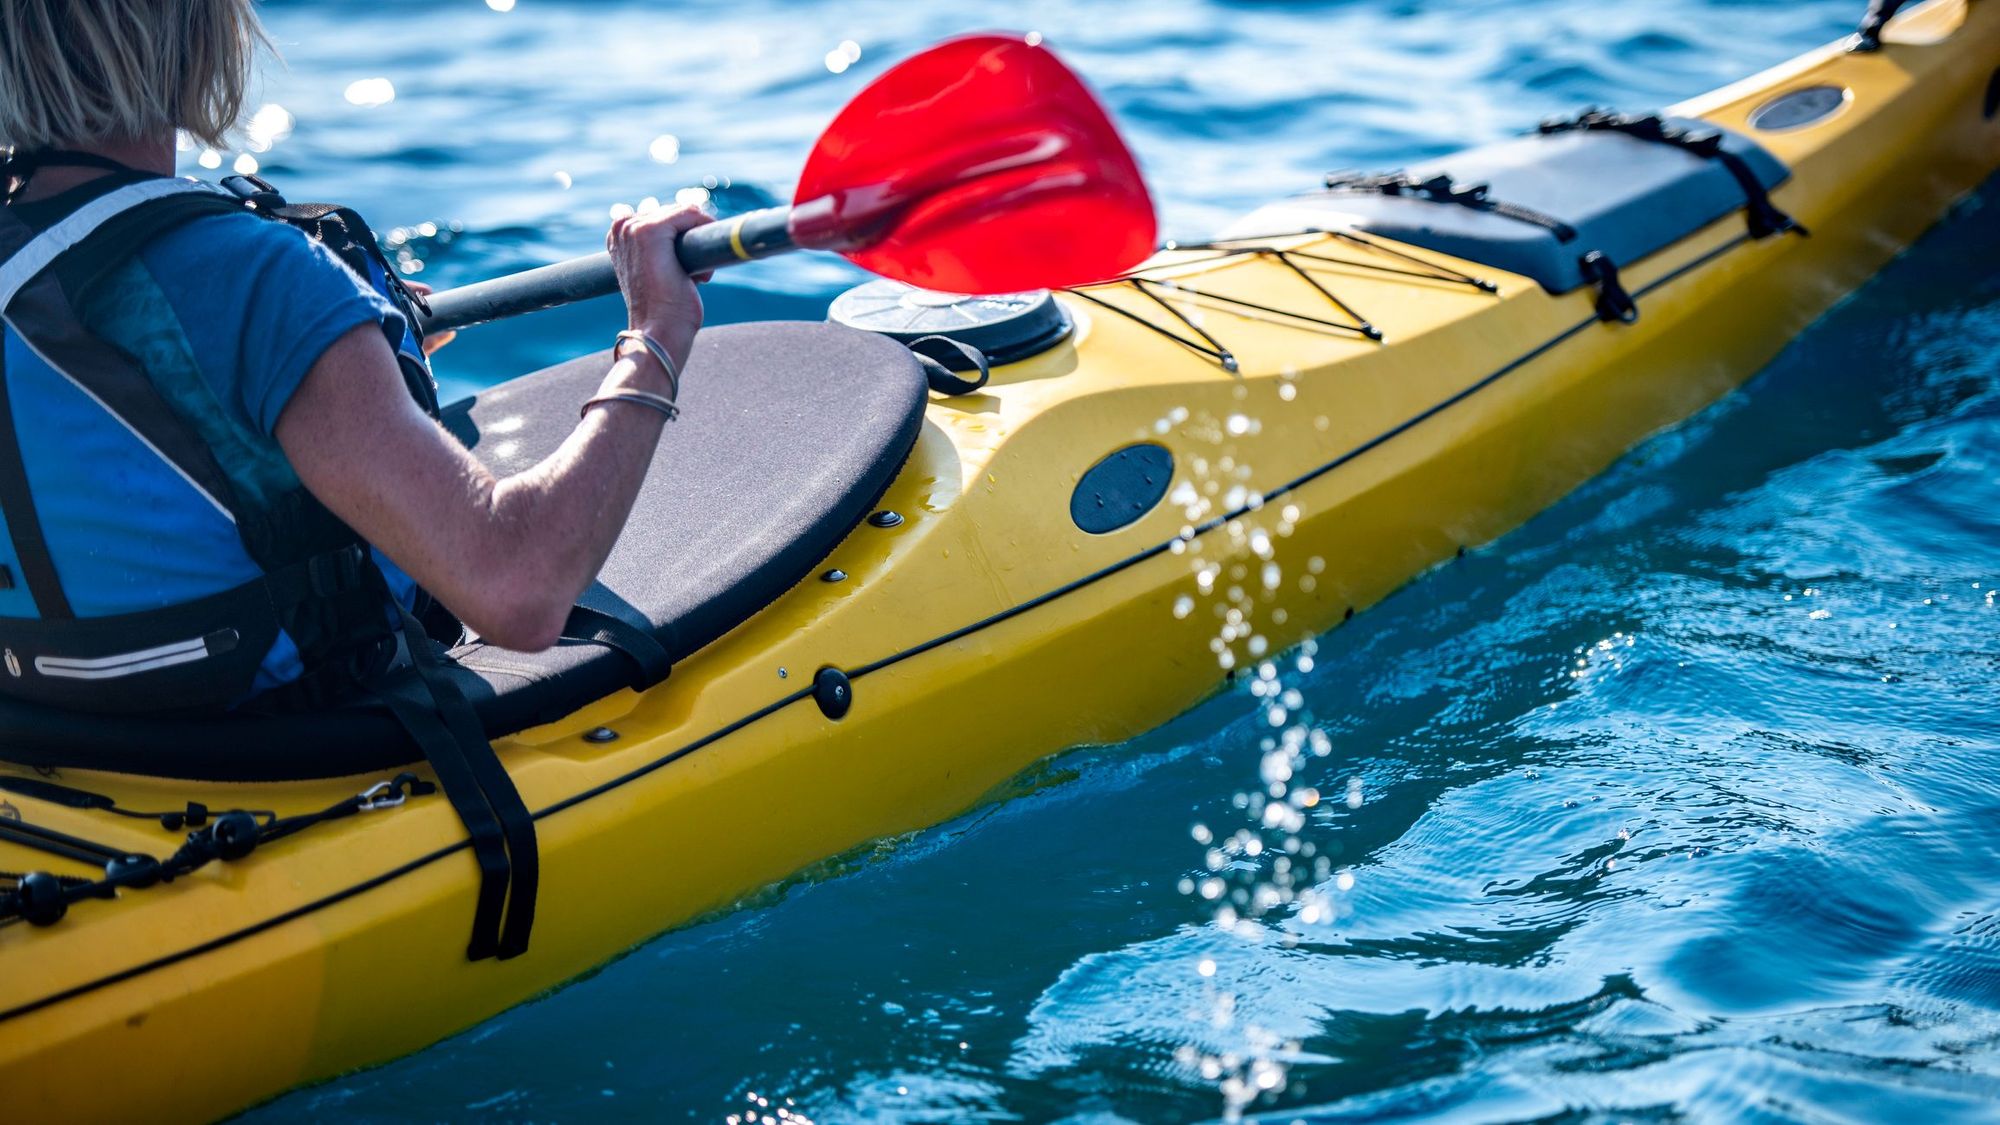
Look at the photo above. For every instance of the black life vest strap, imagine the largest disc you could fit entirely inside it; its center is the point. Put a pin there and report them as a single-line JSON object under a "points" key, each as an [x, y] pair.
{"points": [[21, 166], [1763, 216], [24, 523]]}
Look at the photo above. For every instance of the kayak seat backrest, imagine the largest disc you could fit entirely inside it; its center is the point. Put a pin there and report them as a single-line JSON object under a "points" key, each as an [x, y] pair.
{"points": [[788, 435], [1621, 195]]}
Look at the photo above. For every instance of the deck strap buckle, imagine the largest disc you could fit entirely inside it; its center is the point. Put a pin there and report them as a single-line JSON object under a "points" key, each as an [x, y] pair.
{"points": [[1443, 189], [1764, 217], [1613, 302]]}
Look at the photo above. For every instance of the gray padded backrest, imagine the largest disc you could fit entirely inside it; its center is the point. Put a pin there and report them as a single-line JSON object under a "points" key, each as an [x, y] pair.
{"points": [[1623, 196]]}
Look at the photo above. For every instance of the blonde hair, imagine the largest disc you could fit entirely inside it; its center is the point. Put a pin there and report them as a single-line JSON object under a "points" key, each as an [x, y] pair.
{"points": [[82, 70]]}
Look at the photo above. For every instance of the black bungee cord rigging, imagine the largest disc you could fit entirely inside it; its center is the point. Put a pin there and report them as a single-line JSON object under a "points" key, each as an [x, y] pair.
{"points": [[42, 898]]}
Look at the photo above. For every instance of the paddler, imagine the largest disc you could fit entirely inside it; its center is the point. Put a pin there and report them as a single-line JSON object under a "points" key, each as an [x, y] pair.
{"points": [[220, 474]]}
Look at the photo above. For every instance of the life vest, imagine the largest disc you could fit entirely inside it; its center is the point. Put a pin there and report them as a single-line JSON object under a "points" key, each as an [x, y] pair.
{"points": [[318, 584]]}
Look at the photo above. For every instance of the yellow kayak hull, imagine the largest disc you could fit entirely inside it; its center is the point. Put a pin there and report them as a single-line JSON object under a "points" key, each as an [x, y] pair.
{"points": [[986, 631]]}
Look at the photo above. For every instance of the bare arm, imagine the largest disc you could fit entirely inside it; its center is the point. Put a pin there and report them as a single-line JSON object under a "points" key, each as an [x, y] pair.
{"points": [[508, 555]]}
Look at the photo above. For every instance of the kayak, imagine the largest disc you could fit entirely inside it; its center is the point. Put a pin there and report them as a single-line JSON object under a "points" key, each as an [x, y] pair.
{"points": [[886, 592]]}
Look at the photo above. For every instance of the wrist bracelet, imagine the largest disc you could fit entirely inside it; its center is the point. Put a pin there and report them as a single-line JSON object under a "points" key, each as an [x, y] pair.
{"points": [[647, 399], [659, 353]]}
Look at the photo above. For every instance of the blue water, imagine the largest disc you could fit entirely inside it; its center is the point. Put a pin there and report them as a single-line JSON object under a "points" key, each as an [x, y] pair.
{"points": [[1677, 804]]}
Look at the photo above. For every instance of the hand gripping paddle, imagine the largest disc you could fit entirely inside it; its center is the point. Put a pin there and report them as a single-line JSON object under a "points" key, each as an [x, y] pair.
{"points": [[981, 165]]}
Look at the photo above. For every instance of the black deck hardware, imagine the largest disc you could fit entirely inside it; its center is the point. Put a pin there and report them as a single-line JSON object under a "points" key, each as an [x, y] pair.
{"points": [[833, 692], [43, 899], [1613, 302], [1123, 486], [1868, 37]]}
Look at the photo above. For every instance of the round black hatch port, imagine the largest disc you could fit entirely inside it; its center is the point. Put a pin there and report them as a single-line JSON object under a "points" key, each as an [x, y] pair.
{"points": [[1007, 327]]}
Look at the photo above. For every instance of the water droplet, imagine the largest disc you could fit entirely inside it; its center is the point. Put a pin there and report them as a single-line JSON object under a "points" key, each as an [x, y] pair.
{"points": [[1206, 967], [1345, 880], [563, 180], [1183, 605], [665, 149], [209, 158]]}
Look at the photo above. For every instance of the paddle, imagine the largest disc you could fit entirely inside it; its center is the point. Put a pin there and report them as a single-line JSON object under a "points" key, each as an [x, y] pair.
{"points": [[981, 165]]}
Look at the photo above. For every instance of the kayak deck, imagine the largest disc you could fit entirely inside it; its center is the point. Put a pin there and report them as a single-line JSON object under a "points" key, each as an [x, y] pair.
{"points": [[986, 630]]}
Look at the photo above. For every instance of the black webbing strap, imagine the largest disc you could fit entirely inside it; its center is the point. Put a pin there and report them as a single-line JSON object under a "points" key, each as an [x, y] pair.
{"points": [[1614, 303], [441, 720], [1763, 215], [651, 662], [1868, 37], [344, 584], [1442, 189]]}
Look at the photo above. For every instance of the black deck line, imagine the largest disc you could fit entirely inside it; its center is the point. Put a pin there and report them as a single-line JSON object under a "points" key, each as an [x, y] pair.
{"points": [[854, 673]]}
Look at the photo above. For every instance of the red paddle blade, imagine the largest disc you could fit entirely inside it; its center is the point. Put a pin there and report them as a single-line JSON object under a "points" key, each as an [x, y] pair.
{"points": [[982, 165]]}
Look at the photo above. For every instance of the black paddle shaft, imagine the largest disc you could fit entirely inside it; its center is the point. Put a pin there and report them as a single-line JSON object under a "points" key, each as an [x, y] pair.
{"points": [[745, 238]]}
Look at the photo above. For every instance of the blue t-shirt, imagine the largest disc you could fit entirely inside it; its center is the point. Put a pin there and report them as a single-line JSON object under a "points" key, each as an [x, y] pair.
{"points": [[227, 313]]}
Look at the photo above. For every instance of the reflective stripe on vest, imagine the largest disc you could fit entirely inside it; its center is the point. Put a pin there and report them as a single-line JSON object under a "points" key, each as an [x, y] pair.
{"points": [[43, 249]]}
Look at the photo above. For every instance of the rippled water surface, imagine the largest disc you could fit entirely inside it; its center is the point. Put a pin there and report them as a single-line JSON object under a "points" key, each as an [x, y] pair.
{"points": [[1677, 803]]}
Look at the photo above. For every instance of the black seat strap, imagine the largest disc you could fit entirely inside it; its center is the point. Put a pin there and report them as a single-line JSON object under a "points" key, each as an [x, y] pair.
{"points": [[1764, 217], [1442, 189], [651, 662], [441, 720]]}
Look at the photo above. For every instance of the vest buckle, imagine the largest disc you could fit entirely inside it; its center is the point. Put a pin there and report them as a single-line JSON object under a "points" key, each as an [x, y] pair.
{"points": [[335, 572], [256, 192]]}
